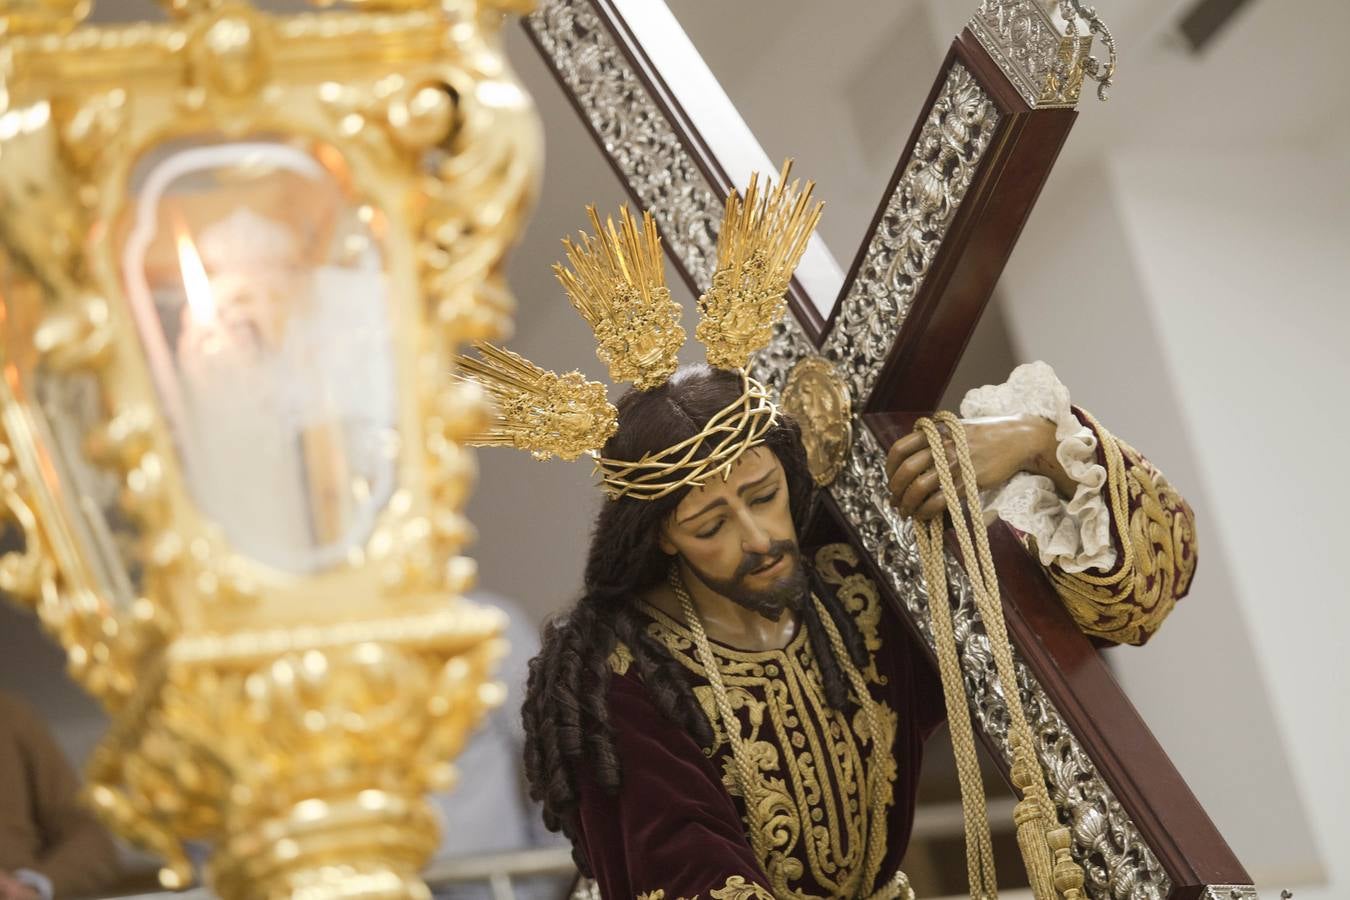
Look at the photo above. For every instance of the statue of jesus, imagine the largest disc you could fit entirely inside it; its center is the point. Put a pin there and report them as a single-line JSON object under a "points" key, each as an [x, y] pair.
{"points": [[726, 711]]}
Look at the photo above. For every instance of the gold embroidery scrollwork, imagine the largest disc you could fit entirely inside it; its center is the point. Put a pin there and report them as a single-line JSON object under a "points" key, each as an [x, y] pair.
{"points": [[735, 888], [837, 566], [1155, 531], [772, 800]]}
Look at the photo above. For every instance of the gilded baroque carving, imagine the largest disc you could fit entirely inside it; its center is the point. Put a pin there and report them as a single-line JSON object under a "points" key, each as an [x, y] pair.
{"points": [[30, 571], [537, 410], [220, 674], [279, 734], [616, 280]]}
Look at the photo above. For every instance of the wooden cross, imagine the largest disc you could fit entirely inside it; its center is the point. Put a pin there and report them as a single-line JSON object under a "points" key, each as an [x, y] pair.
{"points": [[893, 330]]}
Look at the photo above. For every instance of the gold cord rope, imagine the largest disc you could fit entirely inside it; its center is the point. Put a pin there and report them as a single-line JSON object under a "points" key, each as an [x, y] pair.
{"points": [[975, 812], [746, 770], [882, 746], [731, 725], [1043, 841]]}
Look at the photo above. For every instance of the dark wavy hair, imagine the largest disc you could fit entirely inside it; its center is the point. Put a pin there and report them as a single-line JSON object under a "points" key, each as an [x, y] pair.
{"points": [[565, 713]]}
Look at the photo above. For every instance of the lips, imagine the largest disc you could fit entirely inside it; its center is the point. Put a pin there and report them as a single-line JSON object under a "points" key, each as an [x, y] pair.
{"points": [[766, 569]]}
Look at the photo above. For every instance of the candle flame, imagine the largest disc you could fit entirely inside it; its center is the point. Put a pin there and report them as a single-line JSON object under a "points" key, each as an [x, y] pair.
{"points": [[196, 282]]}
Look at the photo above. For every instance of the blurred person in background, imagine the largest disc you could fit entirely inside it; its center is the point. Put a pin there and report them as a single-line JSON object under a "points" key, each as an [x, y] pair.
{"points": [[51, 846]]}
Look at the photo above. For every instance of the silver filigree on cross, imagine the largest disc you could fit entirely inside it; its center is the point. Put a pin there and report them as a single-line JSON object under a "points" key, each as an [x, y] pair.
{"points": [[918, 215], [1230, 892], [634, 132]]}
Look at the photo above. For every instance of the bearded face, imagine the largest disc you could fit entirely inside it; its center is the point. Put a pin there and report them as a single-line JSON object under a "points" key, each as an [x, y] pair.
{"points": [[737, 537], [765, 583]]}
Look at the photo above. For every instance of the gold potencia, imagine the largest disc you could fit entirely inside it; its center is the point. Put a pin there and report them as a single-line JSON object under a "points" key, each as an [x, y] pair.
{"points": [[762, 239], [616, 280]]}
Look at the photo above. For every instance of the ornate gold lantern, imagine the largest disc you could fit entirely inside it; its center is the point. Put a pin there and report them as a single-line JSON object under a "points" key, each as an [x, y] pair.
{"points": [[237, 255]]}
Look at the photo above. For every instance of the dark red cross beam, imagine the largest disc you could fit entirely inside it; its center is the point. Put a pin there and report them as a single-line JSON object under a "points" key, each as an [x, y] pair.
{"points": [[981, 149]]}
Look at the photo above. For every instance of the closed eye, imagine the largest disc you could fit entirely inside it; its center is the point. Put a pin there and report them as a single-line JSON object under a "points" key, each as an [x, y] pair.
{"points": [[758, 501]]}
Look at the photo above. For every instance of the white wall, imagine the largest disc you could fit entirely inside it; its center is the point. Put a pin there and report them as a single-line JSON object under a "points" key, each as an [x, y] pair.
{"points": [[1244, 258]]}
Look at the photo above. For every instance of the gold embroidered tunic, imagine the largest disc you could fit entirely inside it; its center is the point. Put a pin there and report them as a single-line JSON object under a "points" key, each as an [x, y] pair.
{"points": [[679, 822]]}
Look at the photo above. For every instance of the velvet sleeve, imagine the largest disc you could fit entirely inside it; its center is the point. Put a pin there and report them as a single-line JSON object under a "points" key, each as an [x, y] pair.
{"points": [[1153, 532], [671, 831]]}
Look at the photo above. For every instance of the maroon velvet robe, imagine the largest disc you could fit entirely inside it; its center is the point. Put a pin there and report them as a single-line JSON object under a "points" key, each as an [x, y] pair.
{"points": [[675, 825]]}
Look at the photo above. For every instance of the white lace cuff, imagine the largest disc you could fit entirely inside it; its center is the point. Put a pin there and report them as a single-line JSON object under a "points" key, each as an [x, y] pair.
{"points": [[1074, 534]]}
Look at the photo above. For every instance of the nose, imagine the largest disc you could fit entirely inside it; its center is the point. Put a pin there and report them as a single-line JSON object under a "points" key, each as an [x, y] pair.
{"points": [[754, 539]]}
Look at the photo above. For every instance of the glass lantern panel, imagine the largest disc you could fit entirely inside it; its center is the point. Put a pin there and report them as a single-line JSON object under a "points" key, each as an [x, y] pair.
{"points": [[64, 407], [73, 407], [260, 292]]}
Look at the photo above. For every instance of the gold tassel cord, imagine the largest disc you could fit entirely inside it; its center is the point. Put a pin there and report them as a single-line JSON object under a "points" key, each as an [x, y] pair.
{"points": [[1044, 843], [740, 755], [980, 870]]}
